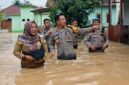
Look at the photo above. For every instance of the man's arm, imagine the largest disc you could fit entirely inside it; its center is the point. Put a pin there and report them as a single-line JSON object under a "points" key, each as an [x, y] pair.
{"points": [[45, 35], [18, 50], [43, 41], [84, 31], [106, 39]]}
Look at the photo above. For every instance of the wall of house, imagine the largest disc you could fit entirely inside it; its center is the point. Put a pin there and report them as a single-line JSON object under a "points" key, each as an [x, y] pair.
{"points": [[26, 15], [104, 12], [117, 10], [16, 23], [39, 18], [126, 12]]}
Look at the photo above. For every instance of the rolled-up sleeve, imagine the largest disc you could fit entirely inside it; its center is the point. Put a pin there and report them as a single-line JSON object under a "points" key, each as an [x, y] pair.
{"points": [[84, 31], [106, 38]]}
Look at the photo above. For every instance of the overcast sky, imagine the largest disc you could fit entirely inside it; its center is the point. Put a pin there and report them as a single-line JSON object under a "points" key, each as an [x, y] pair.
{"points": [[6, 3]]}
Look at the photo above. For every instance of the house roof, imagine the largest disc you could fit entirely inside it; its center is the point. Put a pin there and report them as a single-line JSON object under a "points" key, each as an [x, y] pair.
{"points": [[11, 10], [40, 10]]}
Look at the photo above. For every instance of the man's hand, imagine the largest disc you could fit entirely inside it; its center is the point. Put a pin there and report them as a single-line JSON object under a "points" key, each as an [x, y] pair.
{"points": [[104, 46], [57, 42], [95, 27], [53, 53], [49, 32]]}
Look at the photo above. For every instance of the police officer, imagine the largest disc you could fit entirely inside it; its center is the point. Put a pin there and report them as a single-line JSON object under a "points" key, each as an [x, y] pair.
{"points": [[74, 26], [62, 36], [46, 31], [97, 40]]}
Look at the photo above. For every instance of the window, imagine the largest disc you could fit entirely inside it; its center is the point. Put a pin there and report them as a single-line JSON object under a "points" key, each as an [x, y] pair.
{"points": [[28, 19], [9, 19], [23, 20]]}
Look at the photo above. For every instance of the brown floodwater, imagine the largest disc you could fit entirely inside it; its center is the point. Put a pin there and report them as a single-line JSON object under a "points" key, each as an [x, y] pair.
{"points": [[109, 68]]}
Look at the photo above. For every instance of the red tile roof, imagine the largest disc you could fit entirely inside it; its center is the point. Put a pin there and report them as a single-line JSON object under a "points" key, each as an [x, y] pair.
{"points": [[12, 10]]}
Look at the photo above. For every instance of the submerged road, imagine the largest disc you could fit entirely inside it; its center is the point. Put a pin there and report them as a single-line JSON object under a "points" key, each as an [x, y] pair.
{"points": [[109, 68]]}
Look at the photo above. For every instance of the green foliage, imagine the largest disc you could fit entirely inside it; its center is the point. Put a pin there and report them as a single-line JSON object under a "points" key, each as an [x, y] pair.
{"points": [[74, 9], [18, 3], [2, 16]]}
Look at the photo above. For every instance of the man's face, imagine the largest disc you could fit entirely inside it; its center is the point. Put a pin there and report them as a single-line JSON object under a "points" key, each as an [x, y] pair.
{"points": [[47, 24], [62, 21], [75, 23], [96, 24]]}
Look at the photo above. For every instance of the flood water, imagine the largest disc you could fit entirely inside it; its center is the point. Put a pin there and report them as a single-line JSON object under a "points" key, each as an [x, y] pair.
{"points": [[109, 68]]}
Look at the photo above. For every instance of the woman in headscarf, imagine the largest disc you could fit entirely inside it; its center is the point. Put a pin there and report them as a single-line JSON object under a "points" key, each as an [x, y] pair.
{"points": [[30, 47]]}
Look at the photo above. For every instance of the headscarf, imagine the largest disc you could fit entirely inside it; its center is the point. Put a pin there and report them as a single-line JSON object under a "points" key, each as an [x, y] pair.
{"points": [[29, 40]]}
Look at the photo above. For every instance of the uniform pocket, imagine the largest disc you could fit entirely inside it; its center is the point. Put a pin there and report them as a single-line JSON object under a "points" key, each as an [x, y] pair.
{"points": [[102, 39], [68, 38], [94, 37]]}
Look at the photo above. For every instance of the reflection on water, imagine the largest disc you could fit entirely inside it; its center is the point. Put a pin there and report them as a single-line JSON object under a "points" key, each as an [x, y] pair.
{"points": [[109, 68]]}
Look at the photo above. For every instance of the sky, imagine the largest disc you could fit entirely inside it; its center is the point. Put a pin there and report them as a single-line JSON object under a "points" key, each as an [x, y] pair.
{"points": [[6, 3]]}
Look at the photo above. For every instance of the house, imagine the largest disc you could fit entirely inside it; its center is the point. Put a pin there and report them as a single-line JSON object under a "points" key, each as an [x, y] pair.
{"points": [[16, 16], [102, 13], [40, 14], [11, 13], [120, 32], [124, 21]]}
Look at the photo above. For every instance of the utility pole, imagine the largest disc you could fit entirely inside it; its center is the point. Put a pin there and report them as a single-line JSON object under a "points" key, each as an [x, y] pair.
{"points": [[121, 19], [110, 12]]}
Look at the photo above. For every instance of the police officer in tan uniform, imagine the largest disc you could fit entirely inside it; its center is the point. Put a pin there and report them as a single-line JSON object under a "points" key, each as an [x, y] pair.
{"points": [[46, 31], [97, 40], [62, 36]]}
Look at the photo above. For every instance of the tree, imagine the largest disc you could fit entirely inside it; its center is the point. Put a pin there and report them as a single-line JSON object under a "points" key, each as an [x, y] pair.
{"points": [[74, 9], [2, 17], [25, 4], [16, 3]]}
